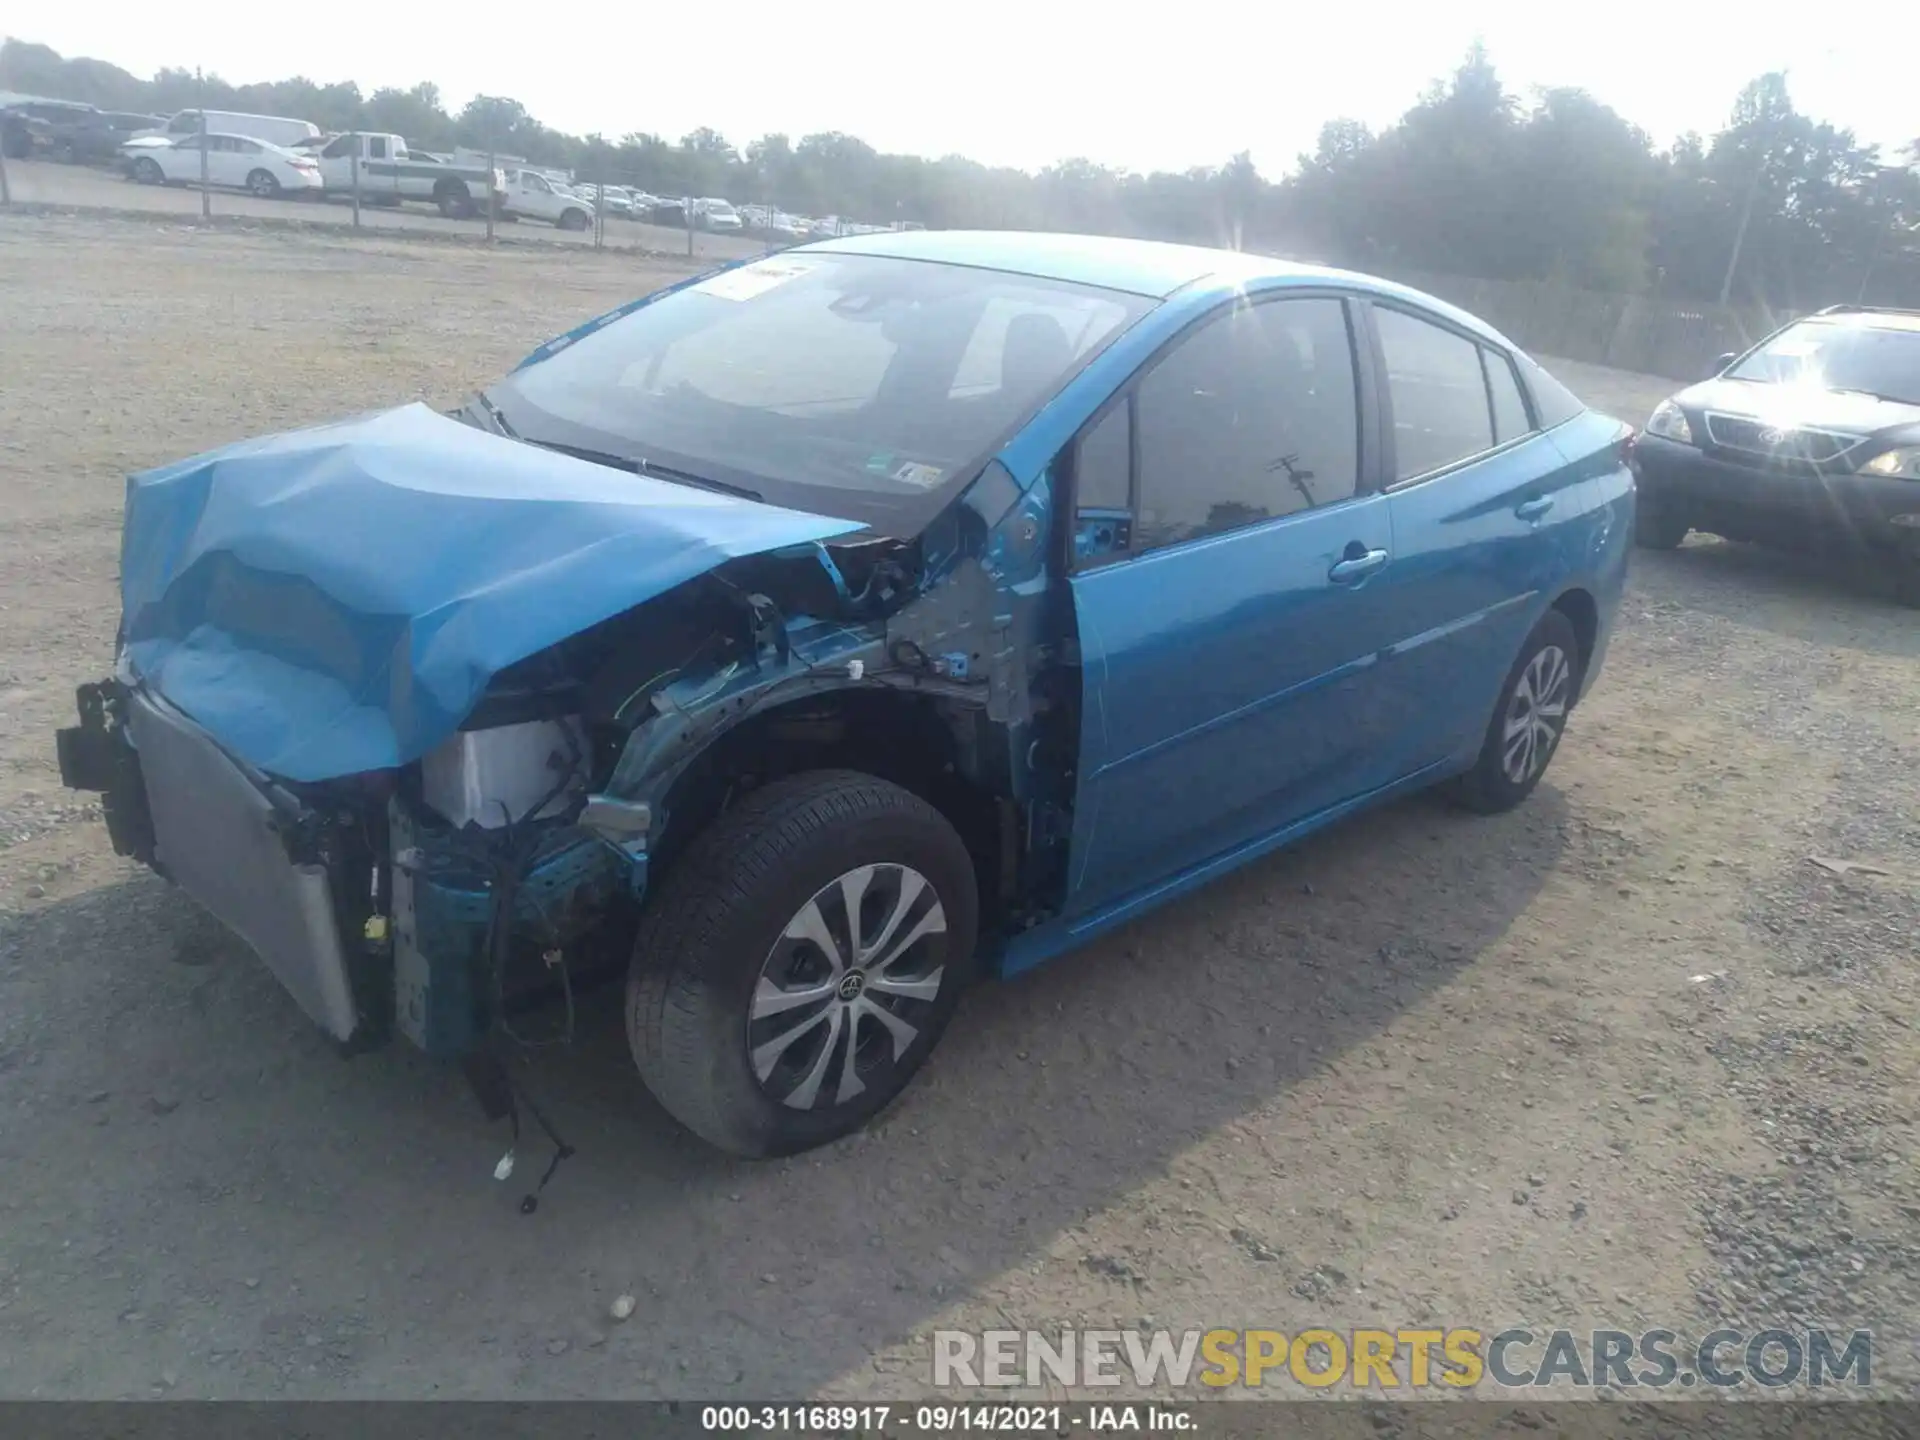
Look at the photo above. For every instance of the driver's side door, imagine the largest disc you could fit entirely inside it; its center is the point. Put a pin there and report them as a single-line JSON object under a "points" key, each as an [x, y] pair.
{"points": [[1229, 597]]}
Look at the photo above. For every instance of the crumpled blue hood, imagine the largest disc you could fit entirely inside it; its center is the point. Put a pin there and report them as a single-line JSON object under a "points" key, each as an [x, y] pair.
{"points": [[335, 600]]}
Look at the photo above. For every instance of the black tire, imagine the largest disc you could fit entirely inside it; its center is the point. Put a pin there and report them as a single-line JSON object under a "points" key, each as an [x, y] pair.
{"points": [[454, 200], [264, 185], [715, 932], [1906, 583], [1656, 526], [1491, 786], [573, 220], [148, 172]]}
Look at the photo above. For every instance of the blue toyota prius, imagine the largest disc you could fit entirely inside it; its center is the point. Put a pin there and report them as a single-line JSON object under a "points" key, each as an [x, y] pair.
{"points": [[817, 634]]}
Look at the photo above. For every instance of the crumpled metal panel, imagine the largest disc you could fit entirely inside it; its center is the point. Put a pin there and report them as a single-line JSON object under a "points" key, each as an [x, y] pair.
{"points": [[335, 600]]}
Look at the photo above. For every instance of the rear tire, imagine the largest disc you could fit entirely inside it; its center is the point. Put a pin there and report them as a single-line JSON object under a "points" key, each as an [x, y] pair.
{"points": [[263, 184], [1657, 527], [752, 1019], [455, 202], [1528, 721]]}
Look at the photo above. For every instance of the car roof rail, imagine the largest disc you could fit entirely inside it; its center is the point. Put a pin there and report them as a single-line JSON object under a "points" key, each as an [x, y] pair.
{"points": [[1868, 310]]}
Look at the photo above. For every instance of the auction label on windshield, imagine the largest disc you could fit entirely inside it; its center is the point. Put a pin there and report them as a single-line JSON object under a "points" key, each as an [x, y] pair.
{"points": [[751, 280]]}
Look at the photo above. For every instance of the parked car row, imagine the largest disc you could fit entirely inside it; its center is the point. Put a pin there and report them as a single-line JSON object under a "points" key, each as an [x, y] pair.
{"points": [[67, 131], [276, 155]]}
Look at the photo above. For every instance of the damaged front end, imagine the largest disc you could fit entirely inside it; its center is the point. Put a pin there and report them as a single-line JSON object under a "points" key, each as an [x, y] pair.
{"points": [[510, 857]]}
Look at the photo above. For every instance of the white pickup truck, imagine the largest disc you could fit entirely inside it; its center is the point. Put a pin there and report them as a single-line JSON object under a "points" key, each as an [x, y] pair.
{"points": [[533, 196], [390, 173]]}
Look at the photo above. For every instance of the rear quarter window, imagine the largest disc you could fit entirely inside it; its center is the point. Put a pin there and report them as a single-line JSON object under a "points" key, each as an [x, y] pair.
{"points": [[1552, 401]]}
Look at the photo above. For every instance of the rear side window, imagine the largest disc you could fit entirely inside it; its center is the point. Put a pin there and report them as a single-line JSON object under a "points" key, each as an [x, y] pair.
{"points": [[1252, 417], [1552, 401], [1509, 410], [1438, 393]]}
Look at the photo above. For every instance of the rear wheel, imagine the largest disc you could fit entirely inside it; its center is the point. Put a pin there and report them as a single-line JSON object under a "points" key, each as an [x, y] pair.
{"points": [[263, 184], [1528, 721], [454, 201], [801, 961]]}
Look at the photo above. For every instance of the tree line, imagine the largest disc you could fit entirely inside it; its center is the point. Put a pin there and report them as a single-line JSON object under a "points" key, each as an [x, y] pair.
{"points": [[1471, 181]]}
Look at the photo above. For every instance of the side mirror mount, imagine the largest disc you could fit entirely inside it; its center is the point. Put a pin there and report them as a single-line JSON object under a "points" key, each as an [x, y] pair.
{"points": [[1721, 365]]}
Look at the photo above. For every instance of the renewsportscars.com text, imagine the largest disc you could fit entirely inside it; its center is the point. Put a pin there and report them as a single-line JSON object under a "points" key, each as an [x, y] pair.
{"points": [[1415, 1358]]}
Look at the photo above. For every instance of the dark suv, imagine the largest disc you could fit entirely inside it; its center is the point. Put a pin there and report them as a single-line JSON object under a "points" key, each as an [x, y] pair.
{"points": [[1811, 439]]}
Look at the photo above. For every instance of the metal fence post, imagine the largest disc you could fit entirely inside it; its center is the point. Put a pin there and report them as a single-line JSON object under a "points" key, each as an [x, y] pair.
{"points": [[686, 213], [6, 194], [353, 165], [492, 165], [600, 210], [206, 185]]}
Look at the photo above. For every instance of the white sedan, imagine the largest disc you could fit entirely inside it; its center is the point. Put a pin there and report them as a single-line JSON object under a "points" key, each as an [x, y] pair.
{"points": [[235, 162]]}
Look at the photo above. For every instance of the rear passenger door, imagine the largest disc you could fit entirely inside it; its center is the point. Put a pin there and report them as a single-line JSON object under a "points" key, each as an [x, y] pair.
{"points": [[1478, 496], [1231, 549], [227, 164]]}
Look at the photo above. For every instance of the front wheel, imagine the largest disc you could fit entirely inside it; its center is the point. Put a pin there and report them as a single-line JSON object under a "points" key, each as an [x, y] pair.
{"points": [[801, 961], [263, 184], [148, 172], [1528, 721], [573, 220]]}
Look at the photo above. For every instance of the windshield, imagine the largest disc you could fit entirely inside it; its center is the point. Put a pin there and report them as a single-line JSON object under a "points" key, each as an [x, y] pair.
{"points": [[848, 384], [1879, 360]]}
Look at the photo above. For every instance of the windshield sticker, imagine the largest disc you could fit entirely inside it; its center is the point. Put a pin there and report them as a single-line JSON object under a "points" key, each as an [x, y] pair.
{"points": [[923, 477], [751, 280]]}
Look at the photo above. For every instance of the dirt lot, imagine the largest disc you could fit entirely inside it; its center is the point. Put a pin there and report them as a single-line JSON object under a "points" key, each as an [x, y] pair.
{"points": [[1624, 1057]]}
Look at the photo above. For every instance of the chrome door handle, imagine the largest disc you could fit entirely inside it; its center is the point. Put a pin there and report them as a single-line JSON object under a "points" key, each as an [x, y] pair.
{"points": [[1357, 567], [1535, 508]]}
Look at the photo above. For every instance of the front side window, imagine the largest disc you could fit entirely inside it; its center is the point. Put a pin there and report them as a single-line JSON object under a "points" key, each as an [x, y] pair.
{"points": [[1103, 465], [1253, 416], [1840, 355], [856, 384], [1438, 392]]}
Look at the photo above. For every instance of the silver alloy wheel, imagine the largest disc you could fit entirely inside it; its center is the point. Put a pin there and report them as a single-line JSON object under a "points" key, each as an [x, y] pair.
{"points": [[1535, 714], [843, 992]]}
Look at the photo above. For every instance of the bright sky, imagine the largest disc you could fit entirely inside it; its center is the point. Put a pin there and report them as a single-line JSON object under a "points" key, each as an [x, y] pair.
{"points": [[1027, 82]]}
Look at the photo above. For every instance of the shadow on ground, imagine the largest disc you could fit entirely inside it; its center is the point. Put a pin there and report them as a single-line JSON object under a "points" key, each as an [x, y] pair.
{"points": [[308, 1226]]}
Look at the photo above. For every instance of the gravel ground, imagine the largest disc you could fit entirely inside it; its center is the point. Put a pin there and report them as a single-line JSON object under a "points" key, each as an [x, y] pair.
{"points": [[1623, 1058]]}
